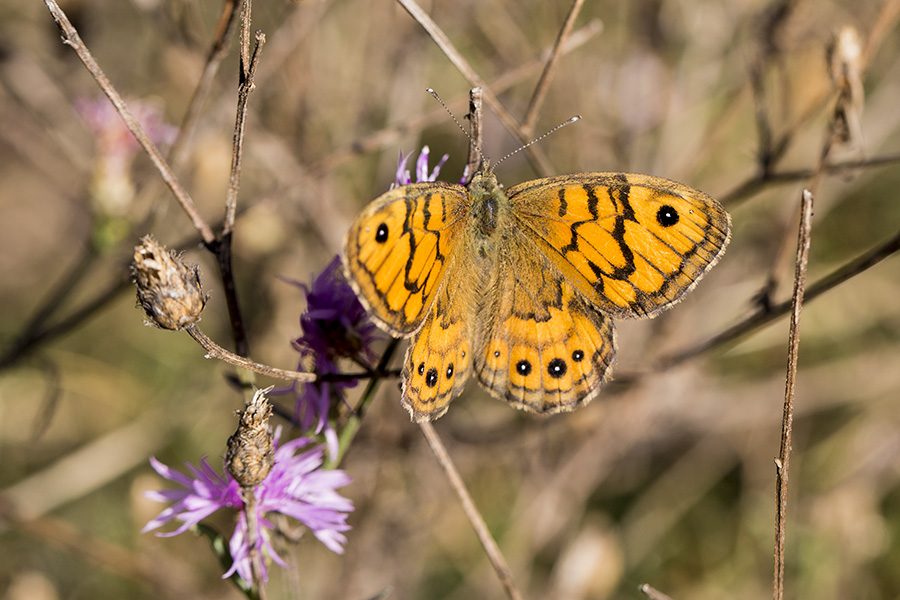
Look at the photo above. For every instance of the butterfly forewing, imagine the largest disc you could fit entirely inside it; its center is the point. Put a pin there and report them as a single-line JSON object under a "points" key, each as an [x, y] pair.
{"points": [[631, 244], [398, 248]]}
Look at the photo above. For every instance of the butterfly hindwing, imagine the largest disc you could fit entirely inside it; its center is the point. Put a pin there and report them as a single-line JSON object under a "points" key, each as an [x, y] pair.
{"points": [[632, 244], [439, 360], [397, 251], [540, 345]]}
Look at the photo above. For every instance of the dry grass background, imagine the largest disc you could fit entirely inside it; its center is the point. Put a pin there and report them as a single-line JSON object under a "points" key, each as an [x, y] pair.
{"points": [[667, 478]]}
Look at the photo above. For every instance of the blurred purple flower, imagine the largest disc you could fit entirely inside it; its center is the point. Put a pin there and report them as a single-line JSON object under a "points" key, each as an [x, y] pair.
{"points": [[110, 131], [111, 188], [335, 325], [295, 487]]}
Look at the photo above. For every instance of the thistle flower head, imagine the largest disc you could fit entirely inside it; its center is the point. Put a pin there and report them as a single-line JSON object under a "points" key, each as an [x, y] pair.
{"points": [[295, 487]]}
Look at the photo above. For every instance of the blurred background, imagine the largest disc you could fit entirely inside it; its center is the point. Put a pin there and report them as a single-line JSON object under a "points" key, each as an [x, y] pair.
{"points": [[667, 478]]}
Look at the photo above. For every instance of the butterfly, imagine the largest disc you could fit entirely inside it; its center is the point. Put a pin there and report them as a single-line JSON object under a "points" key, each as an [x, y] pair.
{"points": [[521, 286]]}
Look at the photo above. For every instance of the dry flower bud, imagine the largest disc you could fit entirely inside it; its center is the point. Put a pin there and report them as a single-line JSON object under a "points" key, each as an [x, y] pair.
{"points": [[845, 67], [250, 453], [168, 290]]}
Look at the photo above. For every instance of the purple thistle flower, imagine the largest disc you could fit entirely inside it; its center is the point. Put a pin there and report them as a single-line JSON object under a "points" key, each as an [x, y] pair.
{"points": [[403, 176], [335, 325], [295, 487]]}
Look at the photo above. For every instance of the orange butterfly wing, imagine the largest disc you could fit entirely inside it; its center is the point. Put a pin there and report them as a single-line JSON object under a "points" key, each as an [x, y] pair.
{"points": [[439, 359], [631, 244], [540, 345], [397, 250]]}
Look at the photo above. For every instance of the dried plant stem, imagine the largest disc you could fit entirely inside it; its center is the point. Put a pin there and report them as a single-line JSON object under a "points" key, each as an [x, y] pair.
{"points": [[215, 351], [784, 458], [256, 568], [222, 247], [752, 185], [652, 592], [351, 427], [763, 317], [217, 53], [468, 505], [476, 133], [542, 164], [70, 36], [390, 135], [543, 84], [248, 71]]}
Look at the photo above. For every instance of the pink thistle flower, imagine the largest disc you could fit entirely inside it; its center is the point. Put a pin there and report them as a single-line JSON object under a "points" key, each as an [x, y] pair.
{"points": [[296, 487]]}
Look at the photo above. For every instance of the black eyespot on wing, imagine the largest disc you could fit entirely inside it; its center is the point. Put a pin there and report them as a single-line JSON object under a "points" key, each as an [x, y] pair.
{"points": [[523, 368], [667, 216], [381, 234], [557, 368], [431, 378], [578, 355], [421, 368], [449, 371]]}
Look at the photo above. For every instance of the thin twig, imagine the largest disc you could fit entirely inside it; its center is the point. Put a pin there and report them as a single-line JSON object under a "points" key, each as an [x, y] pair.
{"points": [[541, 163], [351, 427], [652, 592], [70, 36], [217, 53], [763, 317], [784, 459], [390, 135], [215, 351], [498, 562], [752, 185], [248, 70], [543, 84], [222, 248]]}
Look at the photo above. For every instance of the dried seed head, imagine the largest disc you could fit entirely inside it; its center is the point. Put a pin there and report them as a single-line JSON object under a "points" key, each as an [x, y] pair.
{"points": [[250, 453], [844, 55], [168, 290]]}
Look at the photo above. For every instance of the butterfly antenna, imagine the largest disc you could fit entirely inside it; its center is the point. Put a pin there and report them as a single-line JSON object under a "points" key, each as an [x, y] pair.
{"points": [[434, 95], [539, 138]]}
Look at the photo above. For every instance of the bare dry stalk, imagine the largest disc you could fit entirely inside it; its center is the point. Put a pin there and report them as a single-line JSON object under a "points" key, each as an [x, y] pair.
{"points": [[542, 164], [653, 593], [498, 562], [543, 84], [217, 53], [215, 351], [784, 458]]}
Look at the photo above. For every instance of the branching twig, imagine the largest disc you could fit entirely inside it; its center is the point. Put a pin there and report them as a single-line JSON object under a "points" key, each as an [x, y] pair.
{"points": [[542, 164], [543, 84], [498, 562], [784, 458], [217, 53], [222, 248], [763, 317]]}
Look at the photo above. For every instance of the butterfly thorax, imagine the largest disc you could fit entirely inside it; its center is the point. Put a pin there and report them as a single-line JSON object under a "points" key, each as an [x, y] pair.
{"points": [[489, 208]]}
